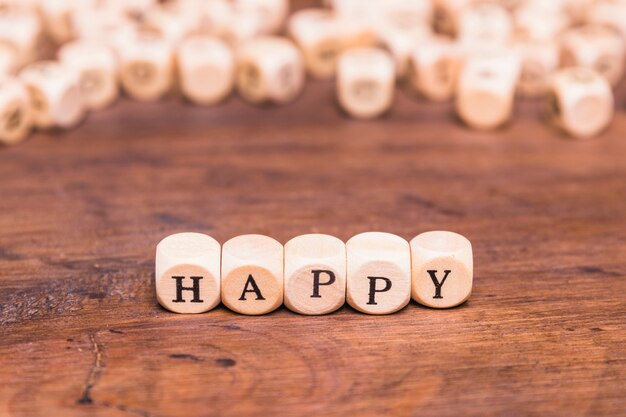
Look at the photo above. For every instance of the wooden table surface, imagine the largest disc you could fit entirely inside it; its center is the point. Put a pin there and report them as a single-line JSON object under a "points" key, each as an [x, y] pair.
{"points": [[544, 333]]}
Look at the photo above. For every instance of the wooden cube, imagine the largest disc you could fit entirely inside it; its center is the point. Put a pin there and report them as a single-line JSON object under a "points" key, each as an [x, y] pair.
{"points": [[15, 114], [206, 69], [401, 43], [146, 66], [8, 60], [484, 25], [609, 13], [172, 21], [97, 23], [434, 69], [272, 13], [97, 67], [57, 19], [321, 35], [580, 102], [252, 274], [539, 60], [54, 94], [486, 90], [536, 21], [596, 47], [365, 82], [187, 273], [315, 274], [378, 272], [269, 69], [20, 29], [442, 269], [446, 15]]}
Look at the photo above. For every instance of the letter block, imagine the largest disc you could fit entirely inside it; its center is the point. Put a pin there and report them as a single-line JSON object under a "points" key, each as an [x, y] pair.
{"points": [[269, 69], [206, 67], [580, 102], [378, 272], [434, 69], [365, 82], [187, 273], [252, 274], [54, 95], [442, 269], [315, 274], [15, 119], [96, 66]]}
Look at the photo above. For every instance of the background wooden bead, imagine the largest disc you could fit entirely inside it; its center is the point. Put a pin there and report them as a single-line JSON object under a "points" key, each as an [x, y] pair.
{"points": [[597, 47], [96, 66], [54, 95], [442, 269], [580, 102], [486, 90], [269, 69], [187, 273], [57, 18], [146, 66], [401, 42], [378, 272], [22, 30], [15, 117], [315, 274], [539, 60], [609, 13], [434, 69], [485, 24], [252, 274], [272, 13], [206, 68], [365, 82], [537, 21]]}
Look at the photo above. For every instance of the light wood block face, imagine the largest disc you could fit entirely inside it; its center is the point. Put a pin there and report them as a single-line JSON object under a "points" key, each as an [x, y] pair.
{"points": [[315, 274], [365, 82], [21, 29], [533, 21], [96, 66], [15, 117], [206, 67], [597, 47], [322, 36], [269, 69], [252, 274], [378, 272], [485, 24], [187, 273], [54, 94], [539, 61], [272, 13], [146, 66], [442, 269], [580, 102], [401, 42], [486, 90], [434, 69]]}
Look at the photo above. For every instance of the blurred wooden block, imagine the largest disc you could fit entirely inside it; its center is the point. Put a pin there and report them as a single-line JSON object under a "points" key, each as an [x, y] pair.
{"points": [[608, 13], [434, 69], [315, 274], [173, 21], [537, 21], [539, 60], [580, 102], [54, 94], [446, 14], [365, 82], [20, 29], [378, 273], [187, 273], [206, 69], [269, 69], [486, 90], [442, 269], [401, 43], [57, 19], [485, 24], [96, 24], [15, 113], [97, 68], [272, 13], [146, 66], [321, 35], [597, 47], [252, 274]]}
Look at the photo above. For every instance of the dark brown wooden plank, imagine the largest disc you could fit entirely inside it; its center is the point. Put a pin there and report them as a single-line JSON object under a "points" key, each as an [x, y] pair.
{"points": [[81, 211]]}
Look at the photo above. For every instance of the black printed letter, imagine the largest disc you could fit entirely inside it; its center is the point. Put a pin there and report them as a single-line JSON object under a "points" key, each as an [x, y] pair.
{"points": [[317, 283], [180, 289], [255, 289], [373, 289], [438, 284]]}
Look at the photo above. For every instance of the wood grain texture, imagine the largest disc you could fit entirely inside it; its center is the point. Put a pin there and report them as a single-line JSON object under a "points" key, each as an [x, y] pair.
{"points": [[544, 333]]}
